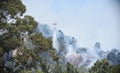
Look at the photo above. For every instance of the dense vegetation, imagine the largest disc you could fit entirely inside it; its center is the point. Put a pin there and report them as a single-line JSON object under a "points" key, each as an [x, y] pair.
{"points": [[21, 46], [103, 66], [109, 65]]}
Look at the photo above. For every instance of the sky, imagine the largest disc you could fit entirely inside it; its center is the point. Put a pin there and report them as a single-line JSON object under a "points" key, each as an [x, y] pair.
{"points": [[89, 21]]}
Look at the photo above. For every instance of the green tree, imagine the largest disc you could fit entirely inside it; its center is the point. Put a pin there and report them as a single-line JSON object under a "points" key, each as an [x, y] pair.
{"points": [[9, 9], [44, 67], [115, 69], [40, 42], [54, 55], [12, 25], [71, 68], [58, 68], [101, 67], [29, 71], [12, 10]]}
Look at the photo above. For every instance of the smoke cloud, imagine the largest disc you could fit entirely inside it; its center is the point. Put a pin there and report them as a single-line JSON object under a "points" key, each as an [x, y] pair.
{"points": [[69, 50]]}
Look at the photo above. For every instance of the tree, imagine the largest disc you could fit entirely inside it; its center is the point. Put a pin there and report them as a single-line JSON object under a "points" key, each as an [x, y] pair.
{"points": [[40, 42], [101, 67], [116, 69], [54, 55], [29, 71], [12, 25], [9, 9], [44, 67], [71, 68]]}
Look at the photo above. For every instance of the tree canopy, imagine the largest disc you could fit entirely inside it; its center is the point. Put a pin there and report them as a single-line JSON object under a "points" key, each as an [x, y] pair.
{"points": [[21, 46]]}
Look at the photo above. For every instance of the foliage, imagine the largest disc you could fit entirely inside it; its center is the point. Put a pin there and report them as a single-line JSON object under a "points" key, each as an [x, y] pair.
{"points": [[10, 9], [29, 71], [40, 42], [25, 24], [103, 66], [54, 55], [12, 25], [71, 68], [44, 67], [13, 28], [116, 69]]}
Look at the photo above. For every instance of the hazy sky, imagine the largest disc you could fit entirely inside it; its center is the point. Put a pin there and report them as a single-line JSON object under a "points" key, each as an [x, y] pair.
{"points": [[89, 21]]}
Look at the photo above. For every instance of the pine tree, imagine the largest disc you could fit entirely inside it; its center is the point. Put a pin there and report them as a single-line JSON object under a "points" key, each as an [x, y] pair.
{"points": [[101, 67], [71, 68]]}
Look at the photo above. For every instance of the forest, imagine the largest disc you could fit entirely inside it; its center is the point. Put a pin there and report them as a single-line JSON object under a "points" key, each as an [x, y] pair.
{"points": [[24, 49]]}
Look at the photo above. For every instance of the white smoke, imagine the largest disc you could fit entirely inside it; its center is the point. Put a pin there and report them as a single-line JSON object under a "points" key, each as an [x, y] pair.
{"points": [[68, 49], [45, 29]]}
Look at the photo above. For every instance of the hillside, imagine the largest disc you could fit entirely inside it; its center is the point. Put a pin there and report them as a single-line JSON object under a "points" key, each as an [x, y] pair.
{"points": [[26, 46]]}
